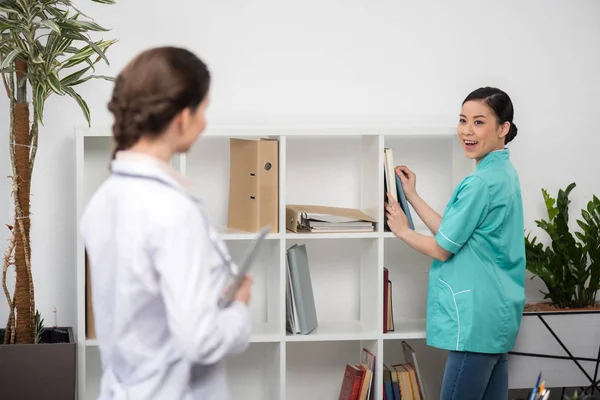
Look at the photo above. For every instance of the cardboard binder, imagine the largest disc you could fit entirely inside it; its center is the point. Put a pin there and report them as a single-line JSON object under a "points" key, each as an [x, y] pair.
{"points": [[253, 184], [90, 325]]}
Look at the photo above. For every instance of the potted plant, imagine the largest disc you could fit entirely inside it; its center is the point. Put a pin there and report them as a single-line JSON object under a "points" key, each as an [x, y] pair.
{"points": [[45, 49], [559, 336], [569, 268]]}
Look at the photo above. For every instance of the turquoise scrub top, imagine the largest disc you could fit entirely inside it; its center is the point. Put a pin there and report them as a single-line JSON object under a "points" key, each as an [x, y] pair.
{"points": [[476, 297]]}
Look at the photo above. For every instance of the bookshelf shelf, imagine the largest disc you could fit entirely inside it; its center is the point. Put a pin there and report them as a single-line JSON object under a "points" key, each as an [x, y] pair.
{"points": [[329, 331], [317, 236], [321, 366], [234, 234], [407, 328], [321, 165]]}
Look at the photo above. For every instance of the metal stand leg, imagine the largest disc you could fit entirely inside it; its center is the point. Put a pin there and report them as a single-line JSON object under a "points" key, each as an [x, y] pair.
{"points": [[594, 382]]}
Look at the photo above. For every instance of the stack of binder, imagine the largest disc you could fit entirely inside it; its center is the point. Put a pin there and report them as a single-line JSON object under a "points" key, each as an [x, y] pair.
{"points": [[300, 302], [321, 219]]}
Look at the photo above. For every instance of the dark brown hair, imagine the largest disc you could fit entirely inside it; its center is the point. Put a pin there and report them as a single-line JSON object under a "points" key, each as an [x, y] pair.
{"points": [[500, 103], [152, 89]]}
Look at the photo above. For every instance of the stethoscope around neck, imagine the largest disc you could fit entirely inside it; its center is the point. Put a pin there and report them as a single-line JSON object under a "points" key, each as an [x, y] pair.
{"points": [[214, 239]]}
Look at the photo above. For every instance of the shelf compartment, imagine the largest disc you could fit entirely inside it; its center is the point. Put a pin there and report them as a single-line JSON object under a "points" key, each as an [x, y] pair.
{"points": [[333, 171], [409, 272], [253, 375], [344, 279], [93, 366], [235, 234], [316, 370], [430, 158], [256, 373], [97, 152], [431, 362], [265, 301], [207, 168]]}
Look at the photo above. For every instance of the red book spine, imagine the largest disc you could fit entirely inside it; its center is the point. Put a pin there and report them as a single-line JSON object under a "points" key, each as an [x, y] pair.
{"points": [[385, 299]]}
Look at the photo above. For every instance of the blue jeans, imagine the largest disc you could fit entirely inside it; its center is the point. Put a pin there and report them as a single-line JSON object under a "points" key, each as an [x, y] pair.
{"points": [[475, 376]]}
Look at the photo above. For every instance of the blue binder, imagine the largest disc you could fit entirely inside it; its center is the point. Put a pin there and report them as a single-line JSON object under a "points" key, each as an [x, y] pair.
{"points": [[403, 202]]}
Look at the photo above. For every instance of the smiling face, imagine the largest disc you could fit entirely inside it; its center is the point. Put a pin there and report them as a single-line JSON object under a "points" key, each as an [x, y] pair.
{"points": [[479, 130]]}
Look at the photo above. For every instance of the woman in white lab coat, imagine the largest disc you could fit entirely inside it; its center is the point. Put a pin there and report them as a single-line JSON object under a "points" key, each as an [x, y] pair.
{"points": [[157, 266]]}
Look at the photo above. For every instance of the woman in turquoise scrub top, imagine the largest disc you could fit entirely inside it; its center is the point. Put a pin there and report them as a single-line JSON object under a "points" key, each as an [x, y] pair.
{"points": [[476, 282]]}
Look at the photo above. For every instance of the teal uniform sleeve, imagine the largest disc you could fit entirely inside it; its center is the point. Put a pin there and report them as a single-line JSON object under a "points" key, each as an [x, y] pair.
{"points": [[464, 214]]}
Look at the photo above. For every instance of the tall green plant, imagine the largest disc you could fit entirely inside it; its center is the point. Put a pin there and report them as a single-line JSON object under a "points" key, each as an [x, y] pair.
{"points": [[569, 268], [45, 49]]}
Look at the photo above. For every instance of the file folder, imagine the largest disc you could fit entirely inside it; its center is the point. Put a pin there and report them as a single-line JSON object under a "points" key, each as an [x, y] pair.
{"points": [[297, 214], [299, 270], [253, 184]]}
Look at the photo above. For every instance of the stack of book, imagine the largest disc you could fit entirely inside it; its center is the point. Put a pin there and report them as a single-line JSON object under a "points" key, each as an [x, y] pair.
{"points": [[301, 314], [357, 383], [403, 381]]}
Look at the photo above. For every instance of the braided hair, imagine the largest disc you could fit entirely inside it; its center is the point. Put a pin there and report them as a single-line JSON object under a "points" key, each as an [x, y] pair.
{"points": [[152, 89]]}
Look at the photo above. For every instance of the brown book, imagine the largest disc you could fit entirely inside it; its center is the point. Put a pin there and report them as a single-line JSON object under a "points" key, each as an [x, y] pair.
{"points": [[366, 382], [90, 325], [406, 392], [413, 380], [351, 383], [390, 311]]}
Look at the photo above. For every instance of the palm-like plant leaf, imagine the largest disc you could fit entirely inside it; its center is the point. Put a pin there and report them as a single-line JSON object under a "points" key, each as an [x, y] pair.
{"points": [[45, 49], [52, 37]]}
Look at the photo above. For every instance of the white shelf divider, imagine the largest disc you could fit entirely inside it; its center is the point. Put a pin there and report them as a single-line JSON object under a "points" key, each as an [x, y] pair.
{"points": [[347, 268]]}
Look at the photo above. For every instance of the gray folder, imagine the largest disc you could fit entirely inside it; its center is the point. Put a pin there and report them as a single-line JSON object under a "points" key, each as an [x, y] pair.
{"points": [[302, 287]]}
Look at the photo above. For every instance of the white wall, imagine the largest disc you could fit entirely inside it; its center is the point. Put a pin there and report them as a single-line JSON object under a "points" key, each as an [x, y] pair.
{"points": [[374, 61]]}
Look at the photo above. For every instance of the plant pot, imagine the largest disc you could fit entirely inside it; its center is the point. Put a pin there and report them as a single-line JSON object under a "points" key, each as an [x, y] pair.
{"points": [[46, 370], [564, 345]]}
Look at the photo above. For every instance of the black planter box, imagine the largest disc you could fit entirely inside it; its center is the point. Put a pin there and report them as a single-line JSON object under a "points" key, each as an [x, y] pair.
{"points": [[46, 370]]}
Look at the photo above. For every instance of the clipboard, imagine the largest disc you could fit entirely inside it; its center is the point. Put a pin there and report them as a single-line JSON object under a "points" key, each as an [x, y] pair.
{"points": [[244, 267]]}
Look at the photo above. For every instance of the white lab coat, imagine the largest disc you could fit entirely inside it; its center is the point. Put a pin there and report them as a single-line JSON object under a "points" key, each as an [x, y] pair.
{"points": [[157, 271]]}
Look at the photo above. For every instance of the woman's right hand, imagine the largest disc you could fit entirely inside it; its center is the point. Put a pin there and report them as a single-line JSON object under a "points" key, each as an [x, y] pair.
{"points": [[243, 294], [409, 181]]}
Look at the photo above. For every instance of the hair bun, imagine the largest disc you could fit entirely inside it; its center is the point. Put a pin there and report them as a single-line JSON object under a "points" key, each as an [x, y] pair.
{"points": [[512, 132]]}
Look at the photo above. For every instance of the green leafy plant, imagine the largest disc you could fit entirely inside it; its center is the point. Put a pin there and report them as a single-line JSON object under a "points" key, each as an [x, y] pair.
{"points": [[577, 396], [39, 326], [45, 49], [569, 268]]}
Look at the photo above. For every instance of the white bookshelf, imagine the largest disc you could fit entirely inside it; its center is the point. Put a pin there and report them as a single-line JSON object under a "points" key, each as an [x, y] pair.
{"points": [[337, 166]]}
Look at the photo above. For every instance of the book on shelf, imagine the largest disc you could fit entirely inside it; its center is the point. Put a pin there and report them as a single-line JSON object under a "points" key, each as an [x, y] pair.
{"points": [[357, 382], [403, 381], [253, 184], [327, 219], [301, 314], [393, 184], [410, 358], [388, 312]]}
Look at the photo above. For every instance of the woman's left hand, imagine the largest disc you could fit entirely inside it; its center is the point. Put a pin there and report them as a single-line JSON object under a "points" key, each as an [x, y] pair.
{"points": [[396, 219]]}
